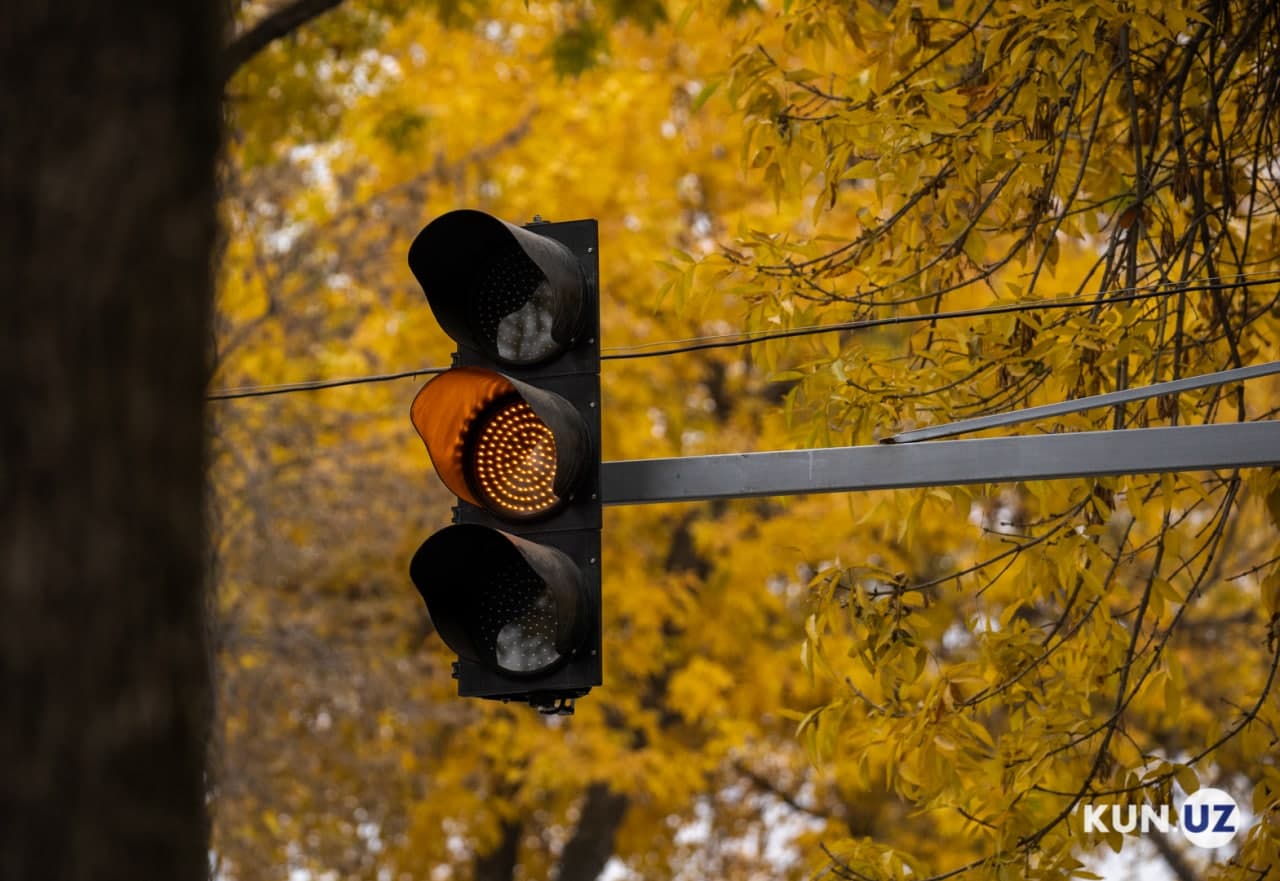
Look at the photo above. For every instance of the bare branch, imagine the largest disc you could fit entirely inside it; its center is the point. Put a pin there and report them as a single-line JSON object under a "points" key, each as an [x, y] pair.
{"points": [[764, 784], [280, 23], [591, 846], [1174, 859]]}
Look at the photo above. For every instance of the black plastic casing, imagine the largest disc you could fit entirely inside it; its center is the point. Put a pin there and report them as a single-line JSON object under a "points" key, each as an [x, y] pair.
{"points": [[576, 527]]}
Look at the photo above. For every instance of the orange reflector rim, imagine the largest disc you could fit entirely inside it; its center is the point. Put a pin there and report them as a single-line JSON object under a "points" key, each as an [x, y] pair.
{"points": [[488, 443]]}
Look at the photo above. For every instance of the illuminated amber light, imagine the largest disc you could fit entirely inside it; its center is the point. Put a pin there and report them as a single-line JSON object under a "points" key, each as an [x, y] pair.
{"points": [[512, 460]]}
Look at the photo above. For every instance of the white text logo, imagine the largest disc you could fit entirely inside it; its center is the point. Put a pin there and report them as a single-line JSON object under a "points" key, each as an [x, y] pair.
{"points": [[1209, 818]]}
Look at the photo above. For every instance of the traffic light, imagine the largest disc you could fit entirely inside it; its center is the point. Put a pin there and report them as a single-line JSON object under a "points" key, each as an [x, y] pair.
{"points": [[513, 430]]}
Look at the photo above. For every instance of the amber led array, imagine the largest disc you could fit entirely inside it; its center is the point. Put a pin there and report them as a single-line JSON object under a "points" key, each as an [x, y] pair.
{"points": [[514, 460]]}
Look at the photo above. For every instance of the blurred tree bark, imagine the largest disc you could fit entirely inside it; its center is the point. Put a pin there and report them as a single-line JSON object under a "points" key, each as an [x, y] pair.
{"points": [[500, 863], [111, 126], [587, 852]]}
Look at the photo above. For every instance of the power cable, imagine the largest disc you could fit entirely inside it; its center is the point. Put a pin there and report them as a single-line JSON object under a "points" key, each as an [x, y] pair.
{"points": [[748, 338], [1216, 283], [260, 391]]}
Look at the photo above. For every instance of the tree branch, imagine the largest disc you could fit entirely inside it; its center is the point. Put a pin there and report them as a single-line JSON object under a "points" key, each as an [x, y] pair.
{"points": [[500, 863], [280, 23], [1173, 859], [586, 853], [766, 785]]}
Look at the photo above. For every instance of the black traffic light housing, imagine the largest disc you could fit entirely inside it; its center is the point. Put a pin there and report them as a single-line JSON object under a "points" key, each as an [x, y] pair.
{"points": [[513, 587]]}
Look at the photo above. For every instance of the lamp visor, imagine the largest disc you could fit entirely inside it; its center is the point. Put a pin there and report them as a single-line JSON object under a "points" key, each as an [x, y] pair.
{"points": [[515, 450], [503, 290], [512, 605]]}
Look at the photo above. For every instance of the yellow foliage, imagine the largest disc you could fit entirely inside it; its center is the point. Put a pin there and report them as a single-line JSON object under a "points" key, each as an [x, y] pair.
{"points": [[885, 685]]}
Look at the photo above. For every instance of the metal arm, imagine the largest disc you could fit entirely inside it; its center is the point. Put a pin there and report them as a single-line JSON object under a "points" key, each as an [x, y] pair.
{"points": [[941, 463], [964, 426]]}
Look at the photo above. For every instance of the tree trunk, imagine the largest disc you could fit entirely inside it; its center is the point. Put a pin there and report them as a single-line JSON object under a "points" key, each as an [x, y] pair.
{"points": [[499, 864], [111, 123], [587, 852]]}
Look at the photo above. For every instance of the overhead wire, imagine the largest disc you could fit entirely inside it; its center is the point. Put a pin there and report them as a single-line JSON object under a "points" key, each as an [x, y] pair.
{"points": [[747, 338], [260, 391], [1112, 295]]}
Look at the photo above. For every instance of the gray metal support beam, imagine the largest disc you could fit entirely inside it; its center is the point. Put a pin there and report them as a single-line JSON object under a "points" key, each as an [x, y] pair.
{"points": [[941, 463], [1029, 414]]}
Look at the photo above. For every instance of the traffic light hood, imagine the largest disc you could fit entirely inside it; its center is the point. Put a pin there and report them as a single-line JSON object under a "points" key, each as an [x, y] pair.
{"points": [[513, 430], [463, 413], [516, 607], [509, 293]]}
